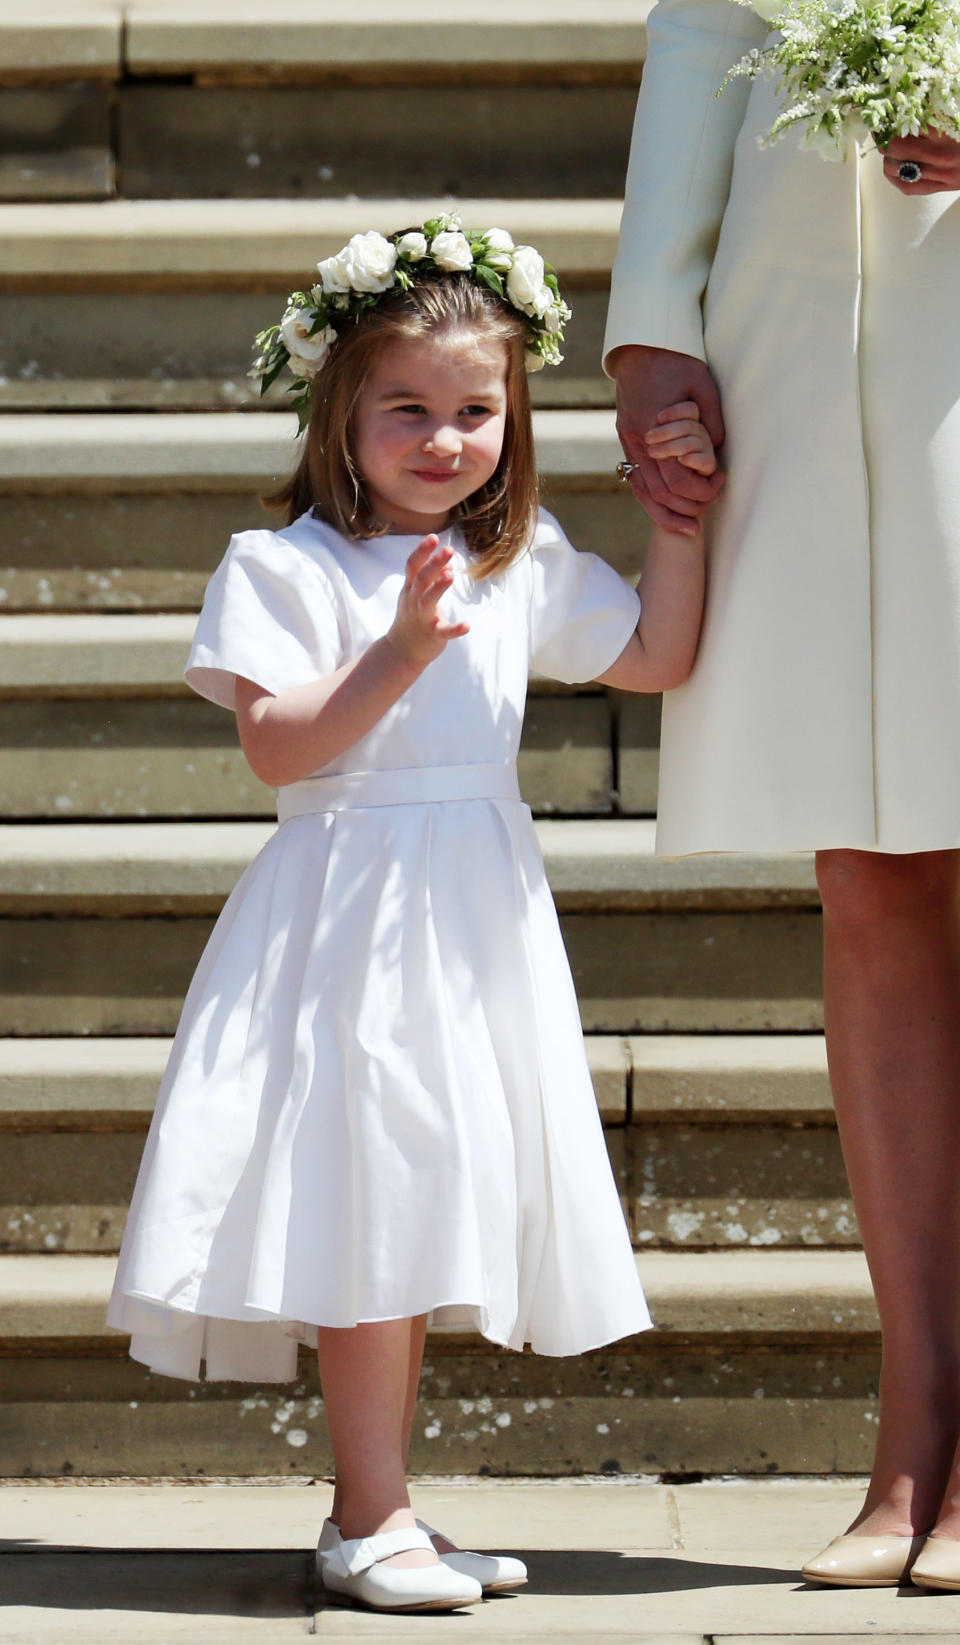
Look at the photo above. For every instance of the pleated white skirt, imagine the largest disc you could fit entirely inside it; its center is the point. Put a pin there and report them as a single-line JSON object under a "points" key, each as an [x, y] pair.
{"points": [[378, 1105]]}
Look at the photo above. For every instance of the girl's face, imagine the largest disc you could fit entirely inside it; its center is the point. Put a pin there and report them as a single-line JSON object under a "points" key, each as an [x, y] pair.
{"points": [[428, 427]]}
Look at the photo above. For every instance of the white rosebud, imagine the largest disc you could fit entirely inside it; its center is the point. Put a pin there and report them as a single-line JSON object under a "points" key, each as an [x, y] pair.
{"points": [[525, 281], [499, 253], [308, 350], [552, 318], [451, 250], [413, 247], [533, 359]]}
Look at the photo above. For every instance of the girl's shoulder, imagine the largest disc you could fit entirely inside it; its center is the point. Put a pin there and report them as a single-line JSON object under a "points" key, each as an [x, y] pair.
{"points": [[301, 551]]}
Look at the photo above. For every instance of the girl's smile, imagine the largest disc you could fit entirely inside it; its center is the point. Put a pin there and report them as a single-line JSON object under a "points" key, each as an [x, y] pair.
{"points": [[429, 426]]}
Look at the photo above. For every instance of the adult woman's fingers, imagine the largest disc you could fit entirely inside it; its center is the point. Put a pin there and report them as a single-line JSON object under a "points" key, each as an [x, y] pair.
{"points": [[937, 156], [649, 380]]}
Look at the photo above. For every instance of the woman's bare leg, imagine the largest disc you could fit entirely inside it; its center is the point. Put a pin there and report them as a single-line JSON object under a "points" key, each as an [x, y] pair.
{"points": [[892, 1018], [365, 1373]]}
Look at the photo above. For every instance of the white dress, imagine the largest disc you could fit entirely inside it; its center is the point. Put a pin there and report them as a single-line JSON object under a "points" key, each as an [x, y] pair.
{"points": [[378, 1103]]}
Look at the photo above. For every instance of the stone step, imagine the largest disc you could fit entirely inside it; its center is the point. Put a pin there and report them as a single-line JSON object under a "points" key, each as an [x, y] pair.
{"points": [[73, 1115], [106, 1085], [104, 925], [716, 1143], [96, 721], [112, 39], [147, 868], [228, 100], [763, 1362], [156, 303], [134, 512]]}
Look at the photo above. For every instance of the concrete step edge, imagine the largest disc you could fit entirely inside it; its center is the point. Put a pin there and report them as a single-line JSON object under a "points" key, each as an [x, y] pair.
{"points": [[80, 38], [759, 1293], [86, 36], [236, 452], [96, 653], [608, 862], [107, 1084], [222, 36], [278, 241], [80, 1084]]}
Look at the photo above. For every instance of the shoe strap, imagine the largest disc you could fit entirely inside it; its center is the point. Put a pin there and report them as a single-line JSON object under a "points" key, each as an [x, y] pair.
{"points": [[361, 1552]]}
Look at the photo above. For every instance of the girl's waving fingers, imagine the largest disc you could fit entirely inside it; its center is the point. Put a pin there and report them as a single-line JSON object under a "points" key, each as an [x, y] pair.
{"points": [[419, 628]]}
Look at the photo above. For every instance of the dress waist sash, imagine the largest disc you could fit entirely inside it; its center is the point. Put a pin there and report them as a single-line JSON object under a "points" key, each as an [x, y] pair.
{"points": [[416, 785]]}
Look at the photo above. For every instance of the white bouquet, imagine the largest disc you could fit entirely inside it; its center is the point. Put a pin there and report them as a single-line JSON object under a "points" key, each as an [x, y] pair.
{"points": [[860, 69]]}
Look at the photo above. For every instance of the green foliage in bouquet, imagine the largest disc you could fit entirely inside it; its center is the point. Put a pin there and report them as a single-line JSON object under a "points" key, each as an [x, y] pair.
{"points": [[860, 69]]}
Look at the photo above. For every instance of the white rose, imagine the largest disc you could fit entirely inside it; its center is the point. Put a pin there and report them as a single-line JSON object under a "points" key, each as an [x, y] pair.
{"points": [[413, 247], [525, 280], [451, 250], [333, 274], [369, 260], [295, 332], [303, 368]]}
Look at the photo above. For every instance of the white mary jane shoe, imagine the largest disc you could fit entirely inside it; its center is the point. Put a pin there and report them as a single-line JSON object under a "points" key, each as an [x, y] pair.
{"points": [[353, 1568], [494, 1572]]}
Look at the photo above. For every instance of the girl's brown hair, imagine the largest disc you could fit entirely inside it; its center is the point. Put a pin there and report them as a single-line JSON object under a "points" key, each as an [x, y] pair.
{"points": [[496, 521]]}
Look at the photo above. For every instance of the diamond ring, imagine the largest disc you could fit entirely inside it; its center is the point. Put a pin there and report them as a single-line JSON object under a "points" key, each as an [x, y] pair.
{"points": [[624, 470], [910, 172]]}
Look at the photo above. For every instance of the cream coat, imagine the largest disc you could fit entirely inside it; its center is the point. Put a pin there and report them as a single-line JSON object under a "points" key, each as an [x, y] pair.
{"points": [[824, 709]]}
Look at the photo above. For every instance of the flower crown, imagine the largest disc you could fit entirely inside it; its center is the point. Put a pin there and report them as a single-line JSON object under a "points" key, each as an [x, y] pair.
{"points": [[369, 265]]}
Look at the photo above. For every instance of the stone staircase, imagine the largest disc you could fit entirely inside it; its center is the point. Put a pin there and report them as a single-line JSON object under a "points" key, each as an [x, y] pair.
{"points": [[171, 170]]}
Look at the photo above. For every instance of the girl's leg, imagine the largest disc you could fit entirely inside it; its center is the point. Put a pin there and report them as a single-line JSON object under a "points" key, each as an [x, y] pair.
{"points": [[366, 1376], [418, 1337], [892, 1018]]}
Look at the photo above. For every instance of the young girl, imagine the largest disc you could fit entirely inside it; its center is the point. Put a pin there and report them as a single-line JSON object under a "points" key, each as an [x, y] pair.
{"points": [[377, 1111]]}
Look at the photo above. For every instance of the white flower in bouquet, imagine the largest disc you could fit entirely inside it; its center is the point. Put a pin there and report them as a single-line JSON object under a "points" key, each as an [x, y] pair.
{"points": [[860, 69]]}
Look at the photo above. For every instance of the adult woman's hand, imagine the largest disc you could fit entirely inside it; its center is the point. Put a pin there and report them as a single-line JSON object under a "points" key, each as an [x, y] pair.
{"points": [[937, 156], [649, 380]]}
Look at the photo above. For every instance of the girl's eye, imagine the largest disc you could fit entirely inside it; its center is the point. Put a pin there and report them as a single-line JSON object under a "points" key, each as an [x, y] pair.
{"points": [[413, 411], [476, 411]]}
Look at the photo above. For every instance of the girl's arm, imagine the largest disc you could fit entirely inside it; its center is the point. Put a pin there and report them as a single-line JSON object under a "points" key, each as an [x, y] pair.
{"points": [[660, 653], [287, 737]]}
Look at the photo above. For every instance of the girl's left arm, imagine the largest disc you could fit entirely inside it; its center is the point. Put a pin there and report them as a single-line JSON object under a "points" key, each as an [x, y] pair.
{"points": [[660, 652]]}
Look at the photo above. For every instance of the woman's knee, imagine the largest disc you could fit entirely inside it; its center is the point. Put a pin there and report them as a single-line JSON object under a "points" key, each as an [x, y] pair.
{"points": [[871, 888]]}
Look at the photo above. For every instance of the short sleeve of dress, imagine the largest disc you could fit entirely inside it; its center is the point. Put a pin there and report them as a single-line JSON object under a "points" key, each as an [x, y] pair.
{"points": [[269, 614], [582, 613]]}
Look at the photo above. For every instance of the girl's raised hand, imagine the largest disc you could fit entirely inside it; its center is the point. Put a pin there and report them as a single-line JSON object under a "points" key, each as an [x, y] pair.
{"points": [[680, 433], [419, 630]]}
